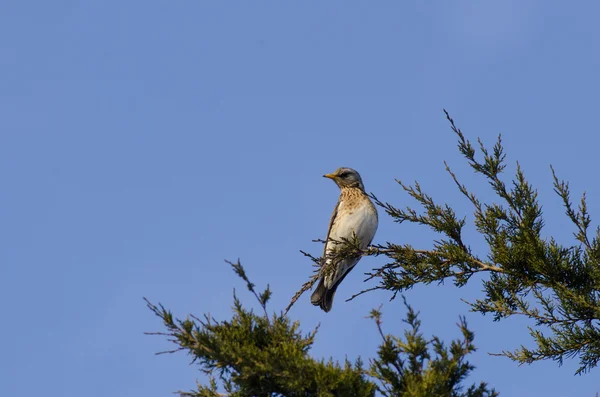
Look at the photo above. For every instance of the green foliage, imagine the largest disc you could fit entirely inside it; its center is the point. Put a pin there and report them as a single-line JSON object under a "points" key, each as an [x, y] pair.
{"points": [[254, 355], [405, 366], [258, 355], [555, 285]]}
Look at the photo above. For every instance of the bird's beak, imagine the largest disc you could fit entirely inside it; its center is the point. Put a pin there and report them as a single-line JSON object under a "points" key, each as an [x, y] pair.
{"points": [[330, 176]]}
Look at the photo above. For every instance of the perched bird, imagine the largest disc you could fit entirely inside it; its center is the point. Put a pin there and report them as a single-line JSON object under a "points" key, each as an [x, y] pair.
{"points": [[353, 214]]}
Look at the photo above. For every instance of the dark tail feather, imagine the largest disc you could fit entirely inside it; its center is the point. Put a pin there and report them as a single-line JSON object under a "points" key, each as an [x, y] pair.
{"points": [[322, 296]]}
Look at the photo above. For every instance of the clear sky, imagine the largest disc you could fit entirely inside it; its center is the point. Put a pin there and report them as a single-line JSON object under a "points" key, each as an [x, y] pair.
{"points": [[144, 142]]}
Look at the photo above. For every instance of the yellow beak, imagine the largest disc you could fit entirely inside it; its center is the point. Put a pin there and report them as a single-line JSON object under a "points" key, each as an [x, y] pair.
{"points": [[330, 176]]}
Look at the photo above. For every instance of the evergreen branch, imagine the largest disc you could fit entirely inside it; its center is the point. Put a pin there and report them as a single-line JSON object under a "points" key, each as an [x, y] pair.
{"points": [[379, 250], [556, 286], [263, 298], [411, 266], [581, 218], [363, 292], [305, 287], [414, 366]]}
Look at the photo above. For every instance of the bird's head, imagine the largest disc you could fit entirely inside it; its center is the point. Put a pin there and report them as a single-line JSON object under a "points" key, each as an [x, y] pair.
{"points": [[346, 177]]}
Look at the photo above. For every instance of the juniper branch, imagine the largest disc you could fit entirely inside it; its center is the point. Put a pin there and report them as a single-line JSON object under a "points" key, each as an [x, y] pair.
{"points": [[557, 286]]}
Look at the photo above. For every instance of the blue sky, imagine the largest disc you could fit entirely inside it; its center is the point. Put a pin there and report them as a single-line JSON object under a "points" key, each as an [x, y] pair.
{"points": [[144, 142]]}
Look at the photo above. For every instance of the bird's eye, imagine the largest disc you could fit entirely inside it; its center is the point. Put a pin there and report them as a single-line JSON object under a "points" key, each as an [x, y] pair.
{"points": [[344, 174]]}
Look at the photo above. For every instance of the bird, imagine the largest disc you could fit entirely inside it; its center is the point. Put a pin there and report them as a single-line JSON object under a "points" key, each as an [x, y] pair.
{"points": [[353, 215]]}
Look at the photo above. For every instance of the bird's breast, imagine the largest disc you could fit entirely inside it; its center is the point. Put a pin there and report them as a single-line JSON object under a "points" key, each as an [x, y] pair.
{"points": [[359, 218]]}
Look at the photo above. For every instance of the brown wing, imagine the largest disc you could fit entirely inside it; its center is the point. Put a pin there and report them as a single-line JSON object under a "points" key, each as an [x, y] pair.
{"points": [[322, 296], [333, 215]]}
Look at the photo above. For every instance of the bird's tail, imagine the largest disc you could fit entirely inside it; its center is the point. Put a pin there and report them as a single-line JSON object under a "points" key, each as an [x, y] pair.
{"points": [[322, 296]]}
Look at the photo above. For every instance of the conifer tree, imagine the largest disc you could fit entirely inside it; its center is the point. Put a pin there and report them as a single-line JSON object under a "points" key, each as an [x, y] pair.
{"points": [[556, 285], [267, 355]]}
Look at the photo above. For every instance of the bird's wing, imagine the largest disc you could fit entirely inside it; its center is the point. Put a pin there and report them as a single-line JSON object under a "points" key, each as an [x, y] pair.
{"points": [[331, 221]]}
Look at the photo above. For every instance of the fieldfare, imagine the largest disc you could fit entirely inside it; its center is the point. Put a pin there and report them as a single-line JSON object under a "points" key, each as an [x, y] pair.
{"points": [[354, 215]]}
